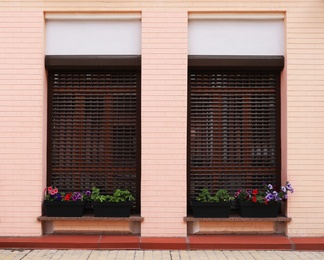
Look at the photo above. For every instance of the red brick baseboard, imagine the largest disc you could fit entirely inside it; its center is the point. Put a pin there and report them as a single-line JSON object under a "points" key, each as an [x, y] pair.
{"points": [[194, 242]]}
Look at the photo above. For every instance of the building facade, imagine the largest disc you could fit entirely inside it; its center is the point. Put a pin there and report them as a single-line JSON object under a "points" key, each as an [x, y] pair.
{"points": [[169, 53]]}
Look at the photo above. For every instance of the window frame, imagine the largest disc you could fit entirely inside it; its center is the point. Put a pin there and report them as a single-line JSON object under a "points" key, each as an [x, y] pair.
{"points": [[94, 64], [227, 64]]}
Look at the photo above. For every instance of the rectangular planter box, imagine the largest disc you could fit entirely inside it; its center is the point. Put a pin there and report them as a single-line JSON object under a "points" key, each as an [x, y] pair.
{"points": [[211, 209], [64, 208], [256, 210], [112, 209]]}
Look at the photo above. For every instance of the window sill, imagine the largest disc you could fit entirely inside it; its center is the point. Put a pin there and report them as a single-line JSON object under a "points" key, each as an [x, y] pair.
{"points": [[89, 224], [237, 225]]}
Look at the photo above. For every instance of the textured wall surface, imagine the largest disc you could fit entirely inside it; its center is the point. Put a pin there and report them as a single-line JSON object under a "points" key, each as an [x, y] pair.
{"points": [[164, 113], [22, 94]]}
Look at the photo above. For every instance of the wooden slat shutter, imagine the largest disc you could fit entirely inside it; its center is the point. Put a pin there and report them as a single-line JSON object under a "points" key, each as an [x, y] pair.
{"points": [[234, 136], [94, 131]]}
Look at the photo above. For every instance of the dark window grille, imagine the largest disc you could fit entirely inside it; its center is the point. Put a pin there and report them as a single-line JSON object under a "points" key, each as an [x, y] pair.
{"points": [[233, 130], [94, 131]]}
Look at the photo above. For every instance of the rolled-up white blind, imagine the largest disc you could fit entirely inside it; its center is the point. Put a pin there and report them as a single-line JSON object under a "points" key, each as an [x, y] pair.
{"points": [[93, 35], [244, 35]]}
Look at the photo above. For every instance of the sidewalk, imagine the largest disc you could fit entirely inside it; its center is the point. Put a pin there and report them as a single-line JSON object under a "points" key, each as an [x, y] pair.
{"points": [[6, 254]]}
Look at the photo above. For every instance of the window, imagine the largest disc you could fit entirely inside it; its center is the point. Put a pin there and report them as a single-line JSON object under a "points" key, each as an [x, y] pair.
{"points": [[234, 122], [94, 124]]}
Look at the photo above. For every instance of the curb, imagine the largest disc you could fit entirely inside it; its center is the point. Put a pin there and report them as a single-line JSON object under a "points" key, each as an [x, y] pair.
{"points": [[194, 242]]}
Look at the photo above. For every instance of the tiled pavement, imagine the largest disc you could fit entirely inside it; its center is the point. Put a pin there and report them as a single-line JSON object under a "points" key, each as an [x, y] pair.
{"points": [[43, 254]]}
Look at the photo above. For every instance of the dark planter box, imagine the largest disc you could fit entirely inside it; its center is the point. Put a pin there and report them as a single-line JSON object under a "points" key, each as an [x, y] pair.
{"points": [[64, 208], [211, 209], [250, 209], [112, 209]]}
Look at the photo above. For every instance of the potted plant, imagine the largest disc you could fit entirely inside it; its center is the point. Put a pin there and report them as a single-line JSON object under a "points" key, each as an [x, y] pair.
{"points": [[208, 206], [262, 203], [64, 204], [118, 204]]}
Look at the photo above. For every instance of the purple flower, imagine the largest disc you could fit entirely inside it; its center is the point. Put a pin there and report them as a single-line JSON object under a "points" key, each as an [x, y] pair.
{"points": [[76, 196], [275, 196], [289, 187], [269, 197], [270, 186], [57, 196], [283, 188], [87, 193]]}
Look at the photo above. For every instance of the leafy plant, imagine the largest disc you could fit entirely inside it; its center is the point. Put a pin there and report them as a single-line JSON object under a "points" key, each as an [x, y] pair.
{"points": [[221, 196], [118, 196], [267, 194], [96, 196], [53, 194]]}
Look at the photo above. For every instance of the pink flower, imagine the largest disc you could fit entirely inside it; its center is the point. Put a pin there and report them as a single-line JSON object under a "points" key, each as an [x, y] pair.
{"points": [[50, 188], [53, 191]]}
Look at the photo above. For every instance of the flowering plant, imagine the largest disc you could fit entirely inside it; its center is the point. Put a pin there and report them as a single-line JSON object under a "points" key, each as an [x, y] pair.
{"points": [[269, 194], [53, 194]]}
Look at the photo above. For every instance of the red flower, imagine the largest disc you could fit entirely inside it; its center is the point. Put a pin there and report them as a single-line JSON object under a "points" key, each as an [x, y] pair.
{"points": [[67, 196], [254, 199], [255, 192]]}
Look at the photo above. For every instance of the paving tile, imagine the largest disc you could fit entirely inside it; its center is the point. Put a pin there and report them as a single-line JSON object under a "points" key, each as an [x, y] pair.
{"points": [[138, 255], [99, 255], [77, 254], [40, 254]]}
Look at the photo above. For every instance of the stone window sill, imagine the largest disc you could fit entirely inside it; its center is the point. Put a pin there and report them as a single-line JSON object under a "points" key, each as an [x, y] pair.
{"points": [[237, 225], [91, 225]]}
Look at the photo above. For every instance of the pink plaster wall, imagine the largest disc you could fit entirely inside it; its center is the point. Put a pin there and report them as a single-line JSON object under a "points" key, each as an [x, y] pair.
{"points": [[21, 122], [164, 123], [305, 120]]}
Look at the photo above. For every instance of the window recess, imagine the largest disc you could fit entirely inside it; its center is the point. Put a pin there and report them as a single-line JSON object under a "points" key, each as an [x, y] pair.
{"points": [[94, 123], [233, 122]]}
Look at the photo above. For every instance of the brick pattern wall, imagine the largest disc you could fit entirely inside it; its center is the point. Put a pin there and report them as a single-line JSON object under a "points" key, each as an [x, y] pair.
{"points": [[164, 117], [305, 117], [164, 51], [21, 122]]}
